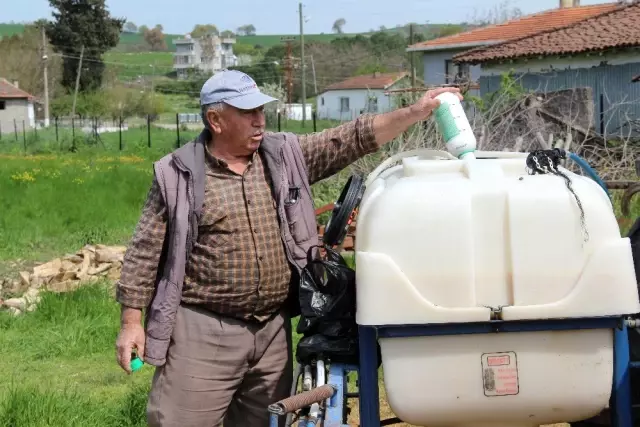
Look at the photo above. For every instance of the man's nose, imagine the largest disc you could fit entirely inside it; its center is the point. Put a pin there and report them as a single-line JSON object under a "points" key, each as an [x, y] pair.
{"points": [[259, 118]]}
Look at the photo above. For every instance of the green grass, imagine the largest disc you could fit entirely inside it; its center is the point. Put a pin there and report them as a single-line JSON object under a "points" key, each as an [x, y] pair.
{"points": [[59, 366], [131, 65], [7, 30], [54, 201]]}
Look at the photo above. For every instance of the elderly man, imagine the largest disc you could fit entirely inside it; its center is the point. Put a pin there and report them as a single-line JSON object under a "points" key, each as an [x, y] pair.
{"points": [[217, 251]]}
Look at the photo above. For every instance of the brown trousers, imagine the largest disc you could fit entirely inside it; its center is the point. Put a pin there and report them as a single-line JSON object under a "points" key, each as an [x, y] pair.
{"points": [[221, 370]]}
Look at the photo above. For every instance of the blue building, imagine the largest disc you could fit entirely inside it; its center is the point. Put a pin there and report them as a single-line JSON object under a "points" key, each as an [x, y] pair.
{"points": [[601, 52]]}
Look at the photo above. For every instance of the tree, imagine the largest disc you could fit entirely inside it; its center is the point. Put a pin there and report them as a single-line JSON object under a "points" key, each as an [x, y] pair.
{"points": [[227, 34], [142, 29], [247, 30], [22, 61], [130, 27], [500, 13], [79, 23], [337, 26], [155, 38], [201, 30]]}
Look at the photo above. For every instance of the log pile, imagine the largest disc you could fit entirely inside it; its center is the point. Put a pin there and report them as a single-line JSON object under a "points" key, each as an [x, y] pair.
{"points": [[90, 264]]}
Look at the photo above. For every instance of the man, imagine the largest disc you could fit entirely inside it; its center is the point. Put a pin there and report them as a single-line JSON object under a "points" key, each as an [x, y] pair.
{"points": [[229, 354]]}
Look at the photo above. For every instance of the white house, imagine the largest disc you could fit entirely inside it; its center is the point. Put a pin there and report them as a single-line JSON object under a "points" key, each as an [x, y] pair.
{"points": [[205, 54], [16, 107], [347, 99]]}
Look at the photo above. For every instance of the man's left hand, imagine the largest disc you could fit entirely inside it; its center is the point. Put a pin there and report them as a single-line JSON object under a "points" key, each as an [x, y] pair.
{"points": [[425, 105]]}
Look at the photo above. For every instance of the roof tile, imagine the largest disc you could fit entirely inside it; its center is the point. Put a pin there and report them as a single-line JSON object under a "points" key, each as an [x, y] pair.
{"points": [[369, 81], [8, 90], [617, 28], [517, 28]]}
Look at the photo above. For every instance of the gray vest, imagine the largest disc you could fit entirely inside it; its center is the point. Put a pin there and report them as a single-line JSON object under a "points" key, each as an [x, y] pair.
{"points": [[181, 176]]}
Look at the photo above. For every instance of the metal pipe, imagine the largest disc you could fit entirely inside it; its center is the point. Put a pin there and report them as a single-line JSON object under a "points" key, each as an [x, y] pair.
{"points": [[307, 382]]}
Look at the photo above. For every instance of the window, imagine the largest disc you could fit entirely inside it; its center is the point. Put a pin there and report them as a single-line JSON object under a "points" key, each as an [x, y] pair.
{"points": [[322, 101], [3, 105], [372, 104], [344, 104], [455, 73]]}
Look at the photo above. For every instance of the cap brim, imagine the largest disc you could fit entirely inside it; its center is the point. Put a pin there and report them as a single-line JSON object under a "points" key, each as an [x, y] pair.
{"points": [[251, 101]]}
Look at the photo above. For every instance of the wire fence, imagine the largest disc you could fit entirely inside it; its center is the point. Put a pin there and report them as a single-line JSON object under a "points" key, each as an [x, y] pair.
{"points": [[121, 134]]}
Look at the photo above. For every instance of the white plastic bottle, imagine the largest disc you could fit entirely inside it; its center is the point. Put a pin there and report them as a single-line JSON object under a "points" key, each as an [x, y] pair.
{"points": [[452, 122]]}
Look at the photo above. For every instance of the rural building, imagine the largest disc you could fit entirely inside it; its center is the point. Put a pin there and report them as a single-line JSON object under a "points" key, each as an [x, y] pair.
{"points": [[347, 99], [207, 54], [437, 54], [600, 52], [16, 107]]}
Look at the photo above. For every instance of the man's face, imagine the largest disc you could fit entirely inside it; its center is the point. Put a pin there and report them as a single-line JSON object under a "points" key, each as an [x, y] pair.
{"points": [[242, 130]]}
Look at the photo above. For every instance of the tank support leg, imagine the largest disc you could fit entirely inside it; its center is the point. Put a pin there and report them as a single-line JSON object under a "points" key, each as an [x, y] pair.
{"points": [[621, 406], [368, 378]]}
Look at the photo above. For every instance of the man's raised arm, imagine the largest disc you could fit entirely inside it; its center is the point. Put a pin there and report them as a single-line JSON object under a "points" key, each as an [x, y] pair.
{"points": [[332, 150]]}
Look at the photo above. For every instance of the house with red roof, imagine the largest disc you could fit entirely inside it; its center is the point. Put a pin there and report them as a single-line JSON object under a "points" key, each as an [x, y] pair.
{"points": [[16, 107], [601, 52], [437, 55], [347, 99]]}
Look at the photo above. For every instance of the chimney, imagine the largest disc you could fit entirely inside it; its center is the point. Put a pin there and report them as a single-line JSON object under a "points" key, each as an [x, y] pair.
{"points": [[376, 74], [569, 3], [15, 83]]}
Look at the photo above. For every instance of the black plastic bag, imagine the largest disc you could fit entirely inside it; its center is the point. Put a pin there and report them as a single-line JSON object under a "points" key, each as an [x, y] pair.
{"points": [[327, 296]]}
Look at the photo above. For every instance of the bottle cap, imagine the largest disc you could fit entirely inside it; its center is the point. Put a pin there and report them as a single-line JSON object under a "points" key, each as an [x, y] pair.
{"points": [[136, 364]]}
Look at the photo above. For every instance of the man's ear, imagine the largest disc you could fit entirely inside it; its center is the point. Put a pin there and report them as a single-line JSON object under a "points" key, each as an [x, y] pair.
{"points": [[215, 121]]}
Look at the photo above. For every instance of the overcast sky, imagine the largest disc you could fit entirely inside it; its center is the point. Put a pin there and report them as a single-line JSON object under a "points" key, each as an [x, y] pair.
{"points": [[281, 16]]}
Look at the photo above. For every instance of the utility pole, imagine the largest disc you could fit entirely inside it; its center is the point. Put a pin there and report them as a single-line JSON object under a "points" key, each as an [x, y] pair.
{"points": [[315, 81], [304, 83], [45, 60], [75, 96]]}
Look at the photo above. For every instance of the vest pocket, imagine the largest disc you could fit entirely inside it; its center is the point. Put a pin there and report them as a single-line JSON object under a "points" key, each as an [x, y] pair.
{"points": [[296, 222]]}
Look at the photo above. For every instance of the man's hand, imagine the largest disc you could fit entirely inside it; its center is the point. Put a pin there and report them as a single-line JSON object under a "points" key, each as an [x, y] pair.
{"points": [[425, 105], [387, 126], [131, 336]]}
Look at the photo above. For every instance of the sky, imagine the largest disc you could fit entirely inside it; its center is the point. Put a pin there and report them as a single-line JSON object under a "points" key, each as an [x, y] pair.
{"points": [[281, 16]]}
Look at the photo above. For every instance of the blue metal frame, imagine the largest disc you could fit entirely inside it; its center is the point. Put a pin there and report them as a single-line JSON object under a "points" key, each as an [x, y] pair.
{"points": [[621, 408]]}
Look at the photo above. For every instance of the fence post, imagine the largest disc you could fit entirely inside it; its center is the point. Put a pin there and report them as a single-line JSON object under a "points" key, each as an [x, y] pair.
{"points": [[120, 131], [73, 133], [0, 131], [56, 124], [315, 125], [279, 125], [149, 130], [24, 137], [15, 128], [178, 130]]}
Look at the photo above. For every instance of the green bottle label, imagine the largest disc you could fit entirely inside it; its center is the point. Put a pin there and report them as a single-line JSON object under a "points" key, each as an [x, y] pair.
{"points": [[446, 122]]}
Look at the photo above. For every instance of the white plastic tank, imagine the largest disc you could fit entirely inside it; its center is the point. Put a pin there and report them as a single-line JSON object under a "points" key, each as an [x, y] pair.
{"points": [[448, 240]]}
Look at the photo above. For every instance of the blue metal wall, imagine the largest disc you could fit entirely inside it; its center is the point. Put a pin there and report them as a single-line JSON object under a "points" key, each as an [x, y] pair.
{"points": [[615, 96]]}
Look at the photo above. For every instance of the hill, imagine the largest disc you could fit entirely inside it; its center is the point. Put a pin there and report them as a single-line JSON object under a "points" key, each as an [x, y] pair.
{"points": [[135, 42]]}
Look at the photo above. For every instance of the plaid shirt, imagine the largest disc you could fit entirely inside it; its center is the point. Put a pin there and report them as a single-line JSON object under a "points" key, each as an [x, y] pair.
{"points": [[238, 266]]}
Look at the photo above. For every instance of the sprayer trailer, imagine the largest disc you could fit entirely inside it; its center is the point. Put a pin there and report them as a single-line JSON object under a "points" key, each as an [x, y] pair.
{"points": [[494, 290]]}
